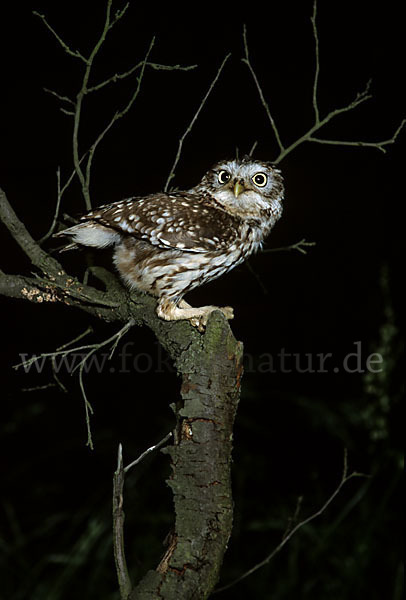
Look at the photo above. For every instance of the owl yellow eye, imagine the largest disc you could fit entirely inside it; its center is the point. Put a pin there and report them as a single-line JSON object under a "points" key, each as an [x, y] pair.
{"points": [[260, 179], [224, 177]]}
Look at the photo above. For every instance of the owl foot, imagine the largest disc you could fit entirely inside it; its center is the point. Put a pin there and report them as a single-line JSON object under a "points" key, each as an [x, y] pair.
{"points": [[201, 322], [198, 316]]}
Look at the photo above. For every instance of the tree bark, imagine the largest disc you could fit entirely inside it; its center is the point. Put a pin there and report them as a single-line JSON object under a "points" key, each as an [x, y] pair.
{"points": [[211, 369], [210, 366]]}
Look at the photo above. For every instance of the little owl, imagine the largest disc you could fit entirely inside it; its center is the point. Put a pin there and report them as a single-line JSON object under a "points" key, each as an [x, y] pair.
{"points": [[167, 244]]}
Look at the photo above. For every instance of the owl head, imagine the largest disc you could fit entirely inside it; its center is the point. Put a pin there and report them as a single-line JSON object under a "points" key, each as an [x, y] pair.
{"points": [[245, 186]]}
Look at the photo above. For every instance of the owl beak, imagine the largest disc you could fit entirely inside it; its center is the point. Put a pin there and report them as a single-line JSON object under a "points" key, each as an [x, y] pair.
{"points": [[238, 188]]}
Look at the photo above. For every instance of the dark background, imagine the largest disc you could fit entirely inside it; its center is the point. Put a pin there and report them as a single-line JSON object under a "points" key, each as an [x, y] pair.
{"points": [[292, 428]]}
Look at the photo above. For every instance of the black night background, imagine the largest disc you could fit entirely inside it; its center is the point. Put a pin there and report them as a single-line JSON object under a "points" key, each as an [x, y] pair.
{"points": [[340, 300]]}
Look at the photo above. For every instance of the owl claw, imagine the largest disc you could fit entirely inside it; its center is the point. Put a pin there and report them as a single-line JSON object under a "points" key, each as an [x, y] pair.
{"points": [[197, 317], [201, 322]]}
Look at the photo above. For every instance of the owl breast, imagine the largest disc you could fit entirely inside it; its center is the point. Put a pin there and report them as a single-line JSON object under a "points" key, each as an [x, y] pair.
{"points": [[173, 273]]}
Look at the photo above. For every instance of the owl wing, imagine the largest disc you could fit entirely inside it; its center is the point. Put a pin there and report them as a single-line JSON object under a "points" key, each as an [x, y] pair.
{"points": [[182, 221]]}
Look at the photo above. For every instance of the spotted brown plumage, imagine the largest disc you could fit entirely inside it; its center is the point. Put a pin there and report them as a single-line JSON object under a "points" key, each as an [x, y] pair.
{"points": [[167, 244]]}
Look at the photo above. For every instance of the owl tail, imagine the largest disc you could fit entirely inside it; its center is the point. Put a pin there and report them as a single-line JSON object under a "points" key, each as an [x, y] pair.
{"points": [[90, 234]]}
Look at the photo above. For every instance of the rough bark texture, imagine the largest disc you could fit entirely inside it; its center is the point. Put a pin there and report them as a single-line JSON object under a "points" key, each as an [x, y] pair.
{"points": [[210, 366], [211, 369]]}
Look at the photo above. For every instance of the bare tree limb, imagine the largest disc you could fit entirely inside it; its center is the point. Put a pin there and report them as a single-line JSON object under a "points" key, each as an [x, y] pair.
{"points": [[55, 284], [85, 89], [30, 247], [319, 122], [78, 107]]}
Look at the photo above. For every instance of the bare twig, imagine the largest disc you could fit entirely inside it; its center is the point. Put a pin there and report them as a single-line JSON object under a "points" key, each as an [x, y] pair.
{"points": [[59, 193], [258, 279], [148, 451], [53, 358], [117, 115], [118, 515], [246, 60], [123, 577], [319, 122], [380, 145], [290, 533], [59, 96], [65, 350], [317, 69], [299, 246], [74, 53], [125, 74], [77, 104], [191, 124]]}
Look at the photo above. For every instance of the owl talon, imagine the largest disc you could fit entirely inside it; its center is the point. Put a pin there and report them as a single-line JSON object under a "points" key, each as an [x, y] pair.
{"points": [[197, 317], [201, 322]]}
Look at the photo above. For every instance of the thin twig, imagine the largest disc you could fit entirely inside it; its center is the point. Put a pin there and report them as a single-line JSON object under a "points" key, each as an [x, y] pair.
{"points": [[246, 60], [118, 115], [319, 122], [258, 279], [57, 207], [148, 451], [125, 74], [74, 53], [288, 535], [191, 124], [65, 350], [77, 104], [59, 96], [78, 107], [53, 358], [317, 69], [118, 515], [299, 246], [378, 145], [123, 577], [59, 193], [308, 136]]}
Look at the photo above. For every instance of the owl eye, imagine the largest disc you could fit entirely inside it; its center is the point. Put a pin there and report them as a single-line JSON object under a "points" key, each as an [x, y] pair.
{"points": [[224, 177], [260, 179]]}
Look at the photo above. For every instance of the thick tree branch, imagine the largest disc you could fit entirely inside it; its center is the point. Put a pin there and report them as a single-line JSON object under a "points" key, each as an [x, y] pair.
{"points": [[211, 368], [38, 257], [54, 284]]}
